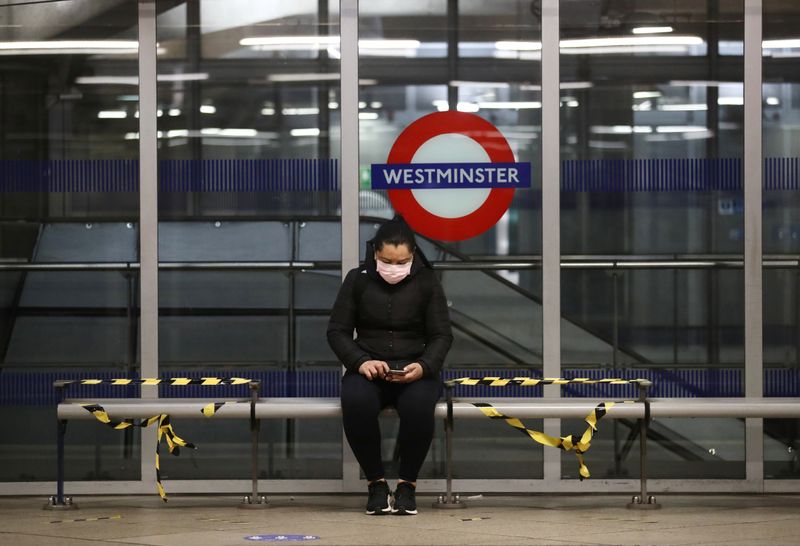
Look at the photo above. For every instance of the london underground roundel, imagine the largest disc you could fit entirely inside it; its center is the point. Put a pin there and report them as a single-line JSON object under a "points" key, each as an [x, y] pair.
{"points": [[452, 175]]}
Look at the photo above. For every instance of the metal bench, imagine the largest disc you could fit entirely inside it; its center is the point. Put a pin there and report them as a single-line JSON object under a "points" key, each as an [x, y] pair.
{"points": [[139, 408], [256, 409]]}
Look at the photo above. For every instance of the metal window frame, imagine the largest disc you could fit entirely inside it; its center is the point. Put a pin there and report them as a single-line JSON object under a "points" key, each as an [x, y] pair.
{"points": [[551, 252], [148, 217], [550, 262], [348, 24], [551, 216], [753, 285]]}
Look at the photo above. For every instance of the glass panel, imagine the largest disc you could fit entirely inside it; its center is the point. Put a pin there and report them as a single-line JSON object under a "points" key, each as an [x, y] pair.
{"points": [[473, 442], [248, 184], [651, 205], [418, 59], [683, 448], [68, 197], [781, 229]]}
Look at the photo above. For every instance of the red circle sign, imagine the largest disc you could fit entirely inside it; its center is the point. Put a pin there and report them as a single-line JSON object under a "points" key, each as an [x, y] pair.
{"points": [[484, 217]]}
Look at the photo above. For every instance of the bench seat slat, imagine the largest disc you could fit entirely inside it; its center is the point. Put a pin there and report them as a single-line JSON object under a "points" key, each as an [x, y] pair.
{"points": [[564, 408], [135, 408]]}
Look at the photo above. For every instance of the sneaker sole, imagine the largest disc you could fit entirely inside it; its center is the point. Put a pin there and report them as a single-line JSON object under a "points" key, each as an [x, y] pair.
{"points": [[402, 512], [382, 511]]}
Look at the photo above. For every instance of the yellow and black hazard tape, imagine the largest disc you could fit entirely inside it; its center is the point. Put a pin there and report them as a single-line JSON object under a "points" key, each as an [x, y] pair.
{"points": [[565, 443], [211, 409], [172, 381], [533, 381], [165, 431], [174, 442], [101, 518], [221, 520]]}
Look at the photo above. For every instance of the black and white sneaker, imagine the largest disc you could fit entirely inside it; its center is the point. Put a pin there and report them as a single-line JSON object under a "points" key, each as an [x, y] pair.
{"points": [[405, 500], [379, 496]]}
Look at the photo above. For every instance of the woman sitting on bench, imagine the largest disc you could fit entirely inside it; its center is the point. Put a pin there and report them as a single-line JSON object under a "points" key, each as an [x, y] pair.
{"points": [[397, 307]]}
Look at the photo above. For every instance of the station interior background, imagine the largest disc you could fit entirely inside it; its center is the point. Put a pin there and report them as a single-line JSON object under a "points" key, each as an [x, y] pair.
{"points": [[249, 152]]}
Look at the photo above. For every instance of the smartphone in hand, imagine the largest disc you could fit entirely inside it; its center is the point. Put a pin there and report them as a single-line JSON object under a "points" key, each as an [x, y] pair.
{"points": [[397, 368]]}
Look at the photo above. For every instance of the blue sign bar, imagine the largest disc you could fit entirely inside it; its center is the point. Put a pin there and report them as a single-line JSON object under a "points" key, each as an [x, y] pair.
{"points": [[436, 176]]}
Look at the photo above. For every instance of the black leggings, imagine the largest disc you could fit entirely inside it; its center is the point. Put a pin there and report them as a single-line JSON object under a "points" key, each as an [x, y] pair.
{"points": [[363, 400]]}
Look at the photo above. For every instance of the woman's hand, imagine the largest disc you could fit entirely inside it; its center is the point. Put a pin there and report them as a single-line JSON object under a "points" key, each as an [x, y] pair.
{"points": [[413, 373], [373, 368]]}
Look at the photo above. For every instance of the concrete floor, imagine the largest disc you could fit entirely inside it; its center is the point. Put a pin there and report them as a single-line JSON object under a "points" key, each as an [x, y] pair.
{"points": [[207, 520]]}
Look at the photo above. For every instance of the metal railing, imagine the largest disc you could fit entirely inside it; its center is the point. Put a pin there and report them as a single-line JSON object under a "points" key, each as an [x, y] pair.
{"points": [[487, 265], [567, 262]]}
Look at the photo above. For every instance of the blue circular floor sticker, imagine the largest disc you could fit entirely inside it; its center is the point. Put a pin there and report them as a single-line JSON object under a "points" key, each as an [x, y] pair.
{"points": [[281, 538]]}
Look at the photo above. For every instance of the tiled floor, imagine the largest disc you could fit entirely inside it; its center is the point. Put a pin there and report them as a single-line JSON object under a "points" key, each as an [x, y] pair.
{"points": [[207, 520]]}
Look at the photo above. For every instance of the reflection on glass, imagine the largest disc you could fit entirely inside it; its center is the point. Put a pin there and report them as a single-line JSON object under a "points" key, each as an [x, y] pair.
{"points": [[651, 204], [453, 65], [248, 153], [68, 197], [781, 229], [686, 448]]}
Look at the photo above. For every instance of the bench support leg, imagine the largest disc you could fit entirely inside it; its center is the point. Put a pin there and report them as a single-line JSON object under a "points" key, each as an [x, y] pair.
{"points": [[254, 500], [449, 500], [59, 501], [643, 501]]}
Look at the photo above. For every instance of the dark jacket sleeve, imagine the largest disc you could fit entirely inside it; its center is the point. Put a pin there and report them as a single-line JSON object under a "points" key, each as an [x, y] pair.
{"points": [[438, 333], [342, 324]]}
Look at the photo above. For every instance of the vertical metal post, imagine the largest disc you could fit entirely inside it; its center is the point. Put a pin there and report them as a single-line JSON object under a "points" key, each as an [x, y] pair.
{"points": [[448, 443], [62, 429], [643, 500], [551, 222], [675, 316], [452, 54], [615, 324], [350, 147], [796, 319], [148, 218], [59, 501], [348, 19], [291, 368], [192, 97], [449, 500], [194, 36], [712, 151], [753, 280], [254, 429], [254, 500], [291, 325], [133, 343], [615, 363], [323, 97], [643, 458]]}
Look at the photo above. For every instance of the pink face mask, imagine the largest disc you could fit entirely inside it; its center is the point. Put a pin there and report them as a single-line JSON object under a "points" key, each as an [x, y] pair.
{"points": [[393, 274]]}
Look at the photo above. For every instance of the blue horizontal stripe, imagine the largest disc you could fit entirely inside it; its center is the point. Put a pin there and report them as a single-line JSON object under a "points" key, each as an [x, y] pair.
{"points": [[174, 175], [781, 173], [313, 175], [36, 388], [651, 175]]}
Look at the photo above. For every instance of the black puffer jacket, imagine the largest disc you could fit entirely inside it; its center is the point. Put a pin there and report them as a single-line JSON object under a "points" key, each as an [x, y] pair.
{"points": [[404, 321]]}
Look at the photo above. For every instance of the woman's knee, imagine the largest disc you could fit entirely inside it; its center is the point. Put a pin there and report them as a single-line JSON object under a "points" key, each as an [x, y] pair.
{"points": [[359, 395], [418, 400]]}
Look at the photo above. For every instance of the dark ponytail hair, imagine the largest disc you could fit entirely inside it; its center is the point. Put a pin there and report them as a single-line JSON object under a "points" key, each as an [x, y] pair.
{"points": [[395, 232]]}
